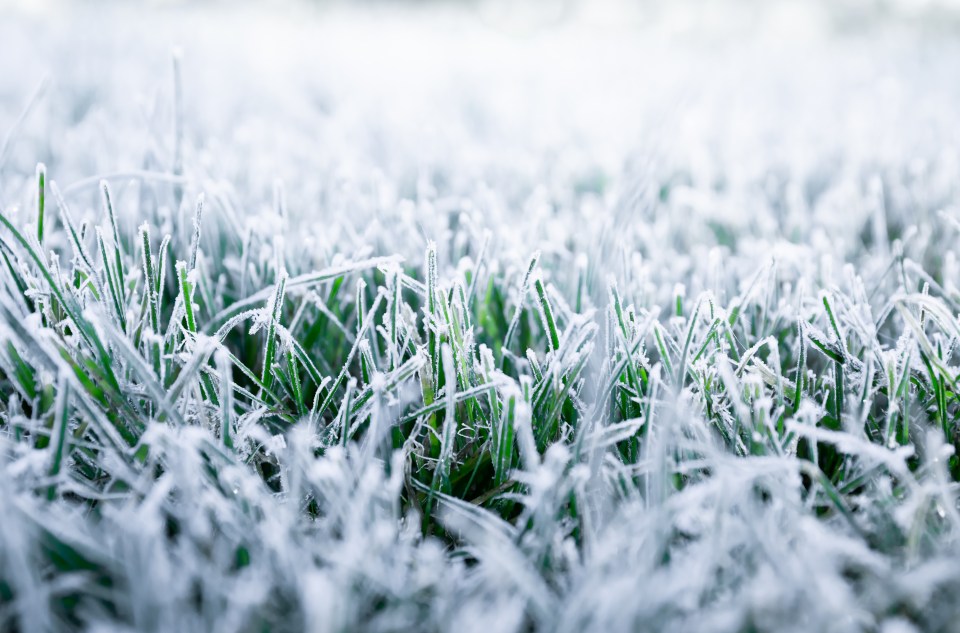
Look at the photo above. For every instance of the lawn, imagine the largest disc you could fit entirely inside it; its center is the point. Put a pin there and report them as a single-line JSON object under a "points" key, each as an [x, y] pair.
{"points": [[563, 317]]}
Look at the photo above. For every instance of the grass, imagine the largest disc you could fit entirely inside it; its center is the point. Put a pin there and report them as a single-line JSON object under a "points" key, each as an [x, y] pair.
{"points": [[116, 381], [208, 424]]}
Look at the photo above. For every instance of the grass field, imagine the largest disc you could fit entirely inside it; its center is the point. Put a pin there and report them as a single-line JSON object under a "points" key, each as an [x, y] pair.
{"points": [[605, 317]]}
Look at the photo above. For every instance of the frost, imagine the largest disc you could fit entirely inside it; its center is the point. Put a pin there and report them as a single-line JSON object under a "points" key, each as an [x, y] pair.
{"points": [[625, 317]]}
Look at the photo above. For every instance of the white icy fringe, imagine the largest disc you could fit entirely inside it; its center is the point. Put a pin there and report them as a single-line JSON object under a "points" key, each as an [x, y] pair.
{"points": [[761, 173]]}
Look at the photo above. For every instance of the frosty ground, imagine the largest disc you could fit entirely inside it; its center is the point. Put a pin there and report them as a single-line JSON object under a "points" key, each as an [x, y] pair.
{"points": [[605, 317]]}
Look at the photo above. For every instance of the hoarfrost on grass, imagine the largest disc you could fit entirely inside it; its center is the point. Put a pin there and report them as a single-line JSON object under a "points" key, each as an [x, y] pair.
{"points": [[445, 320]]}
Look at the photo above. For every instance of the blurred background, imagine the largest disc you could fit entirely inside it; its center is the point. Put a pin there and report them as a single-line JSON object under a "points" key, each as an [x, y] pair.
{"points": [[765, 121]]}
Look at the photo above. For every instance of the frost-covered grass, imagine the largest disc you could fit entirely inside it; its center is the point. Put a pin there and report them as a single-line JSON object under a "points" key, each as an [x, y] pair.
{"points": [[334, 323]]}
